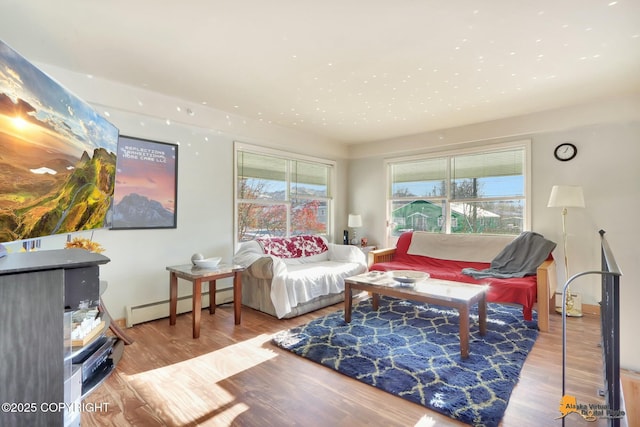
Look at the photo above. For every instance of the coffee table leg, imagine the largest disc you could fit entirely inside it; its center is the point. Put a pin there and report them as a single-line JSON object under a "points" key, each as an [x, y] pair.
{"points": [[482, 314], [375, 301], [348, 300], [464, 331]]}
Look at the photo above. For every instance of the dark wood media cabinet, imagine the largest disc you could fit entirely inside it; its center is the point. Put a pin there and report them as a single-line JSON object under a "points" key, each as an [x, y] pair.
{"points": [[39, 291]]}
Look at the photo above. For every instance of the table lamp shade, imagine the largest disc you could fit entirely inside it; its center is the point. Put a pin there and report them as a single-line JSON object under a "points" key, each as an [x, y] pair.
{"points": [[355, 220], [566, 196]]}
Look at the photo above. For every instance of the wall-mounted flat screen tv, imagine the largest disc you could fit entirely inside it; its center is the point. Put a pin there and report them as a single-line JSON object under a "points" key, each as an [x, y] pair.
{"points": [[57, 156]]}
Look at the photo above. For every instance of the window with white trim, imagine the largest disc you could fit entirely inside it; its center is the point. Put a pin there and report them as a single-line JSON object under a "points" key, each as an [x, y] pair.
{"points": [[280, 194], [481, 191]]}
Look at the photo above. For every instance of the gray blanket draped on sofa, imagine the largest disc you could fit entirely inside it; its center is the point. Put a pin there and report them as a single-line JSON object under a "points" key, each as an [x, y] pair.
{"points": [[519, 258]]}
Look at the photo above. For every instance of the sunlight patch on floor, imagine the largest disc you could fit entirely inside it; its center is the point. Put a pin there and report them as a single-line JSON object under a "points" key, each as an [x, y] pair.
{"points": [[218, 364], [180, 383], [426, 421]]}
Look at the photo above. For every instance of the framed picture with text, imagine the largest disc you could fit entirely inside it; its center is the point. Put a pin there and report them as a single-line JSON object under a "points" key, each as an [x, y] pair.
{"points": [[146, 190]]}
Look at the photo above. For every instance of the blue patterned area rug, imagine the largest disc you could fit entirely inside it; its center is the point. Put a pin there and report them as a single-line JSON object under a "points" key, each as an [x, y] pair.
{"points": [[412, 350]]}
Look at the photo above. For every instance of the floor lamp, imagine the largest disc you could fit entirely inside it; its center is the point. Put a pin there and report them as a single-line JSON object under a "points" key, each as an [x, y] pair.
{"points": [[567, 196]]}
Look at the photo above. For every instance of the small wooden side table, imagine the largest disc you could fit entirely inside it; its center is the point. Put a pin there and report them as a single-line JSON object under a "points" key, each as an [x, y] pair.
{"points": [[196, 276]]}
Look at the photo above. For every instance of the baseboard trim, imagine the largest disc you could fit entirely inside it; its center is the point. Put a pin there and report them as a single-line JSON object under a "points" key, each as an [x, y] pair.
{"points": [[593, 309], [160, 309]]}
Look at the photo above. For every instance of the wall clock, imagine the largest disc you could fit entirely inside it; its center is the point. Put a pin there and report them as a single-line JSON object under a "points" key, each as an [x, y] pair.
{"points": [[565, 152]]}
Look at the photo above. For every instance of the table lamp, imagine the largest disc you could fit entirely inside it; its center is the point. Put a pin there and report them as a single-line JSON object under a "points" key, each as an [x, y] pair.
{"points": [[355, 221]]}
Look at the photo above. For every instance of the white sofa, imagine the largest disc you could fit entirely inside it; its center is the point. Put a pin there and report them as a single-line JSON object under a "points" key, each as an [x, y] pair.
{"points": [[287, 277]]}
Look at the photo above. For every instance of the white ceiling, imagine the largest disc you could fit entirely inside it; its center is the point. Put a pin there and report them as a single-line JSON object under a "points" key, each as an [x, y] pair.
{"points": [[354, 71]]}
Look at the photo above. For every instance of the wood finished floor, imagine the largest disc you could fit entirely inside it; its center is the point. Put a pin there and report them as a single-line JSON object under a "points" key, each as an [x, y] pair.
{"points": [[233, 376]]}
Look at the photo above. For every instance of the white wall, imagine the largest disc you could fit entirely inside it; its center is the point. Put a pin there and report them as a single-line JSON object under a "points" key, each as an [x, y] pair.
{"points": [[136, 273], [606, 134]]}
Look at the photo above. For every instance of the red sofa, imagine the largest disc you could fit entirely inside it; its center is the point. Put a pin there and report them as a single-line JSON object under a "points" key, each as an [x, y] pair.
{"points": [[441, 261]]}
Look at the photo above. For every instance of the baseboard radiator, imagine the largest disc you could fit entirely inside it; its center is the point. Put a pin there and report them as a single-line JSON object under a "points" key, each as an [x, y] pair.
{"points": [[160, 309]]}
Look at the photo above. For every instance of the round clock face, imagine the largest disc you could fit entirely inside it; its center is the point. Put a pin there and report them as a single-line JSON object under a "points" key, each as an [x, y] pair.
{"points": [[565, 152]]}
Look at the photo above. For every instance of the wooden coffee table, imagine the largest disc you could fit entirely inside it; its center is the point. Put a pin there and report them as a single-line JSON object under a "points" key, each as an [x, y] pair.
{"points": [[460, 296]]}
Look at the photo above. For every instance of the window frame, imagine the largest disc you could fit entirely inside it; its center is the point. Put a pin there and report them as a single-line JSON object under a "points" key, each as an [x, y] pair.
{"points": [[477, 149], [289, 157]]}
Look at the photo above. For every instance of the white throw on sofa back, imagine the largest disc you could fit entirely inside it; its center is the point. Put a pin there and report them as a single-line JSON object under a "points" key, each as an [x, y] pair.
{"points": [[456, 247]]}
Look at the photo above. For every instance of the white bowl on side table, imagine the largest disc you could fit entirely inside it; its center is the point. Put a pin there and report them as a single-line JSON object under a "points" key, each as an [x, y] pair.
{"points": [[207, 262]]}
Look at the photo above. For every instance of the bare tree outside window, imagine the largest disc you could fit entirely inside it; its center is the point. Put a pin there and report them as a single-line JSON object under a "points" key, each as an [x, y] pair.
{"points": [[279, 197]]}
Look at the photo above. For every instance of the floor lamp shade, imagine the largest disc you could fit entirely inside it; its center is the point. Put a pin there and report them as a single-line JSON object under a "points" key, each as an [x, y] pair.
{"points": [[566, 196]]}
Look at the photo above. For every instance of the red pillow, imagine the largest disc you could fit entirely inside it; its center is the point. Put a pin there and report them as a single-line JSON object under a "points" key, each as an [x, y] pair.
{"points": [[293, 247]]}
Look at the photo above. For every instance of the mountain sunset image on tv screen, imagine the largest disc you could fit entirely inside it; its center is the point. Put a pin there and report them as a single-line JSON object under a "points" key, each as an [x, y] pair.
{"points": [[57, 156]]}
